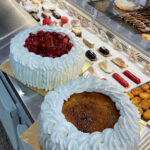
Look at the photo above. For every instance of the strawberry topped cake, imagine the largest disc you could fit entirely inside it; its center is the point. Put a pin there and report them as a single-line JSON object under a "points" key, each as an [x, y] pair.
{"points": [[44, 57]]}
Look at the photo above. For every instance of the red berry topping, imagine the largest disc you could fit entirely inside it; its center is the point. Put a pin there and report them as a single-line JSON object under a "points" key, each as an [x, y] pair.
{"points": [[48, 44], [64, 19], [46, 21]]}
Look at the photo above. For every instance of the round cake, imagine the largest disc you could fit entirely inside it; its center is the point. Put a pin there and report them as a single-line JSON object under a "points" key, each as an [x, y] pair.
{"points": [[44, 56], [88, 114], [127, 5]]}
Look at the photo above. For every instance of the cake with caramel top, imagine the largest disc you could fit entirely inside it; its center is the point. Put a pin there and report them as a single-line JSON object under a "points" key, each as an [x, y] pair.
{"points": [[88, 114], [90, 111]]}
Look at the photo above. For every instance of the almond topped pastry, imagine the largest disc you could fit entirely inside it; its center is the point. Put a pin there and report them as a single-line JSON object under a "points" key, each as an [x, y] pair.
{"points": [[119, 62]]}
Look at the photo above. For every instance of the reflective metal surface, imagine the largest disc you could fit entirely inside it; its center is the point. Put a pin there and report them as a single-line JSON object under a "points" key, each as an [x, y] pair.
{"points": [[14, 19]]}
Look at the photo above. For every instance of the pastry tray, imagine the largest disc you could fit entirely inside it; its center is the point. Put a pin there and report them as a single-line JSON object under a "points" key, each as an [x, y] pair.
{"points": [[135, 68]]}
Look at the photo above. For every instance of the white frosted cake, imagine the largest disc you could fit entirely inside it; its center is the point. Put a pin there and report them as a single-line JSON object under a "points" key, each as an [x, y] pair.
{"points": [[127, 5], [44, 56], [88, 114]]}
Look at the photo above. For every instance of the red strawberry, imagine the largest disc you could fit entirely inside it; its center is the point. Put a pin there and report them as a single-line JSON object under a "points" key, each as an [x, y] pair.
{"points": [[46, 21]]}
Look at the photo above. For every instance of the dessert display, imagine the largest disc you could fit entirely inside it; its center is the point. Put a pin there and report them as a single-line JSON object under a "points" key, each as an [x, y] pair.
{"points": [[88, 113], [127, 5], [140, 97], [104, 51], [64, 20], [75, 23], [77, 31], [35, 16], [121, 80], [44, 15], [105, 66], [56, 14], [88, 43], [91, 55], [139, 19], [119, 62], [132, 76], [132, 56], [46, 21], [44, 57]]}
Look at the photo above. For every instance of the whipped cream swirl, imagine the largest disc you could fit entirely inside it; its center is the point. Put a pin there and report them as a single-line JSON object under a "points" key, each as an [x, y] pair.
{"points": [[56, 133]]}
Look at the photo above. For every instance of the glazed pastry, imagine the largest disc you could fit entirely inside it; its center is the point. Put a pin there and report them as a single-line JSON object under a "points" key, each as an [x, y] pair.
{"points": [[148, 91], [77, 31], [88, 43], [119, 62], [145, 87], [140, 110], [145, 105], [56, 15], [91, 55], [104, 51], [35, 16], [146, 115], [145, 95], [105, 66], [136, 100], [129, 94], [136, 91], [75, 23], [132, 77], [127, 5], [44, 15], [121, 80]]}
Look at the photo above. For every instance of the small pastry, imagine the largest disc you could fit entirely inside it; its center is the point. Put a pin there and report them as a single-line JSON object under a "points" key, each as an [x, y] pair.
{"points": [[61, 5], [44, 15], [119, 62], [130, 95], [105, 66], [136, 100], [145, 87], [75, 23], [136, 91], [56, 15], [146, 67], [104, 51], [148, 100], [77, 31], [35, 16], [91, 55], [117, 45], [148, 91], [94, 29], [146, 115], [31, 8], [145, 95], [84, 22], [48, 8], [121, 80], [127, 5], [46, 21], [104, 36], [146, 29], [131, 76], [88, 43], [132, 56], [35, 2], [145, 105], [63, 21], [140, 110]]}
